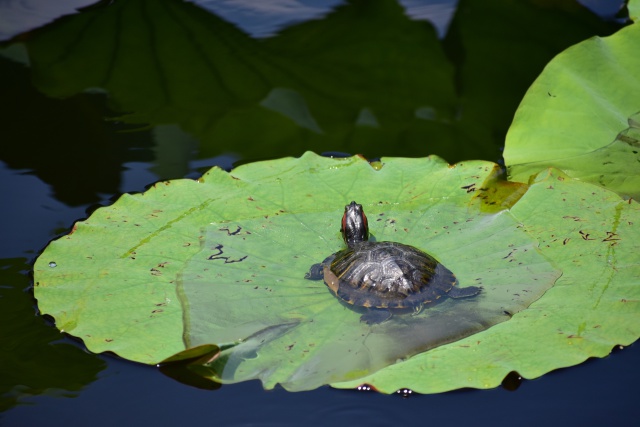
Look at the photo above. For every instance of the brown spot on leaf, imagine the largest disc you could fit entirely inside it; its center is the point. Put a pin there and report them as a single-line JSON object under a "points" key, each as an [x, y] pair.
{"points": [[469, 188], [231, 233], [611, 236], [585, 235]]}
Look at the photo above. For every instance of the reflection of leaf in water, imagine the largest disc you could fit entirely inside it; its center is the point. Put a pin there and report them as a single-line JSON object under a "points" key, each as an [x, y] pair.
{"points": [[296, 89], [247, 281], [38, 362]]}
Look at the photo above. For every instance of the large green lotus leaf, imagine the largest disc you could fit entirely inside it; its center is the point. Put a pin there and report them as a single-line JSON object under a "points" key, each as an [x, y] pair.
{"points": [[591, 234], [112, 280], [581, 115], [246, 290]]}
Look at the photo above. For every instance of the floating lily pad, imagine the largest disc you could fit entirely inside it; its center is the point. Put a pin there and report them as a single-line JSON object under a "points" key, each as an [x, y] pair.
{"points": [[112, 281], [120, 280], [582, 115]]}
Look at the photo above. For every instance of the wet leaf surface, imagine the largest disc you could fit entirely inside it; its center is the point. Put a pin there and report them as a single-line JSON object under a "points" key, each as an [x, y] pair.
{"points": [[246, 286]]}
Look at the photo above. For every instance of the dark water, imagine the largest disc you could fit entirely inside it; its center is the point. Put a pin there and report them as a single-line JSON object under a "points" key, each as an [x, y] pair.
{"points": [[59, 160]]}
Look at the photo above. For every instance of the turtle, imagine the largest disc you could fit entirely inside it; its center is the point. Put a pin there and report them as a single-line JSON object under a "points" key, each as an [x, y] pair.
{"points": [[384, 276]]}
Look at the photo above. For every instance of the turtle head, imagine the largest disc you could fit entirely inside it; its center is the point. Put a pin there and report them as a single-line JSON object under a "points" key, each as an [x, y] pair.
{"points": [[355, 228]]}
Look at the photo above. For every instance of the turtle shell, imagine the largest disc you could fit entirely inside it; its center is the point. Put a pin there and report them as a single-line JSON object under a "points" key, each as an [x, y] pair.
{"points": [[387, 275]]}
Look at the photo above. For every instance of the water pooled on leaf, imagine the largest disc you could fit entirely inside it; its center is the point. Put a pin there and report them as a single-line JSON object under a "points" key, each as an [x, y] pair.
{"points": [[246, 289]]}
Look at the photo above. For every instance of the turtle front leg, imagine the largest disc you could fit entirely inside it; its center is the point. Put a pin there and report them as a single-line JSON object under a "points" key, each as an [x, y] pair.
{"points": [[315, 272]]}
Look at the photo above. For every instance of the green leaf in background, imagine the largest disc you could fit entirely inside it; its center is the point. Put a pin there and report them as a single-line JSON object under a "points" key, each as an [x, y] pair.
{"points": [[498, 50], [582, 115], [114, 281], [591, 234], [634, 10]]}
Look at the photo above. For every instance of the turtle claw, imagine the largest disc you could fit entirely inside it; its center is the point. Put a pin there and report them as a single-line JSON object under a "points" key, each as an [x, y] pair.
{"points": [[315, 272]]}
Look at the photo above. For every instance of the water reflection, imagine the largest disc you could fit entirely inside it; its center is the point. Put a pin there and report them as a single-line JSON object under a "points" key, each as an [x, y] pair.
{"points": [[377, 82], [264, 19], [34, 358]]}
